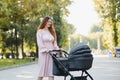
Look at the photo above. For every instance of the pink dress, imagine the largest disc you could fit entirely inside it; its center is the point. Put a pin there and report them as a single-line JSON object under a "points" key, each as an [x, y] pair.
{"points": [[44, 42]]}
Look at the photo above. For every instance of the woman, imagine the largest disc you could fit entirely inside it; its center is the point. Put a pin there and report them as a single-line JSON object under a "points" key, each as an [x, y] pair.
{"points": [[46, 40]]}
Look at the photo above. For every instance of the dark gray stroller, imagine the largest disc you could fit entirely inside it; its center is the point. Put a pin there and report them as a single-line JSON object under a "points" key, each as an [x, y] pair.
{"points": [[78, 59]]}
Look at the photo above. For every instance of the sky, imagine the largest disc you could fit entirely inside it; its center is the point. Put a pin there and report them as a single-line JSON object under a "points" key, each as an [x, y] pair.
{"points": [[82, 15]]}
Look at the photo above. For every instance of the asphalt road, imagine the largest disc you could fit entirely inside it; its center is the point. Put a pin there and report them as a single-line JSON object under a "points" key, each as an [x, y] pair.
{"points": [[103, 68]]}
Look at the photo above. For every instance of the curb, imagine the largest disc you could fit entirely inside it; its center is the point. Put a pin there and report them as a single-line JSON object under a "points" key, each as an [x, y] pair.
{"points": [[10, 67]]}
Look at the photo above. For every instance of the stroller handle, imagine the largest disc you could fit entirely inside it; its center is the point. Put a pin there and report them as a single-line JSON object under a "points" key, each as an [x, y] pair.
{"points": [[65, 53]]}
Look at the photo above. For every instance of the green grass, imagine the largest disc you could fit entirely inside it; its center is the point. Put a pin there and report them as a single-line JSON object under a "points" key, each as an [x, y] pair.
{"points": [[13, 62]]}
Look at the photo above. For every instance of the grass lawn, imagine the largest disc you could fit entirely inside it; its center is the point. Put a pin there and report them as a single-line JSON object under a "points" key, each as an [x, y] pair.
{"points": [[13, 62]]}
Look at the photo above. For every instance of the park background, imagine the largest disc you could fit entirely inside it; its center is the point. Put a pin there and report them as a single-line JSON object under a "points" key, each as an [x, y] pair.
{"points": [[93, 22]]}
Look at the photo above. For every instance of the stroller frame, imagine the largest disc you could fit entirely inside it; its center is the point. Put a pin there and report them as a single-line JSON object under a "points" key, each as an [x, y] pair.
{"points": [[65, 69]]}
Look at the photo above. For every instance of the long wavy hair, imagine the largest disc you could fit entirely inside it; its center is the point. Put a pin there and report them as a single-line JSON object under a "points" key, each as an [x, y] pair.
{"points": [[51, 28]]}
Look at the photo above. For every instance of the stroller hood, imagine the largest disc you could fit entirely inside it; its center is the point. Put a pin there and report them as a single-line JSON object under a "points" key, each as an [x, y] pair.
{"points": [[80, 48]]}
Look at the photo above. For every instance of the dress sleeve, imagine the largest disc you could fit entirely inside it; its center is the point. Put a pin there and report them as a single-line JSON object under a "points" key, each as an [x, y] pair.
{"points": [[56, 46], [40, 43]]}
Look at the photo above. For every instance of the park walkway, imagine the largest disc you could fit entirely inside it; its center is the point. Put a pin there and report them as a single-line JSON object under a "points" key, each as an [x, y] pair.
{"points": [[104, 68]]}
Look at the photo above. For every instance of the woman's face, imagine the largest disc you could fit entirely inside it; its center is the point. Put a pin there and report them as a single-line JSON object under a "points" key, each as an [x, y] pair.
{"points": [[49, 23]]}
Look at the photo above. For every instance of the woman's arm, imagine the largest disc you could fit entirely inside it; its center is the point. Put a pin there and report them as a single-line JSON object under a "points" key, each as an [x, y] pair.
{"points": [[40, 42]]}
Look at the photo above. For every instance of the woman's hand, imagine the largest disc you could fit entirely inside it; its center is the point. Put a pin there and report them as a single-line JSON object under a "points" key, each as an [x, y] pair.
{"points": [[61, 49]]}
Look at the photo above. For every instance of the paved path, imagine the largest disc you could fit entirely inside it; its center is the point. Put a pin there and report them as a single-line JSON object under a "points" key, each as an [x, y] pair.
{"points": [[104, 68]]}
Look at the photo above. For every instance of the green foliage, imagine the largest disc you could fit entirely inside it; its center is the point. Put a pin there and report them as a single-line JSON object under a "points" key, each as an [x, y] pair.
{"points": [[95, 34], [108, 10], [19, 20], [95, 29]]}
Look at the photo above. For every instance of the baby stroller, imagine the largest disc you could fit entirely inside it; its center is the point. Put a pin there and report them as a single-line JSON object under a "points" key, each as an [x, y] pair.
{"points": [[78, 59]]}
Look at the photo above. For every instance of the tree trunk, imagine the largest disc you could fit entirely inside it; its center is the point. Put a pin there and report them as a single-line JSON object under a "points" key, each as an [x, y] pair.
{"points": [[17, 54]]}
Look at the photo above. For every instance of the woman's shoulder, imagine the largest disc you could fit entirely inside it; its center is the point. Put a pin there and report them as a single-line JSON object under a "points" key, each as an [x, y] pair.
{"points": [[40, 31]]}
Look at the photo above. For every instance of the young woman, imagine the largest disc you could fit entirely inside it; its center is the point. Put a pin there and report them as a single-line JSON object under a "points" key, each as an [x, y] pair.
{"points": [[46, 40]]}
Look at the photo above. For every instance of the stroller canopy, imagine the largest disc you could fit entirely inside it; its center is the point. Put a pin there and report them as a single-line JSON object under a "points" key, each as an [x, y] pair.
{"points": [[79, 49]]}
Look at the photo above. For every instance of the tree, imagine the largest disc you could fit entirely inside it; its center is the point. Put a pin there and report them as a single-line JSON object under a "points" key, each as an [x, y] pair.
{"points": [[57, 9], [23, 16], [108, 11], [95, 37]]}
